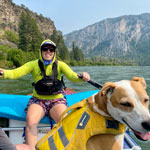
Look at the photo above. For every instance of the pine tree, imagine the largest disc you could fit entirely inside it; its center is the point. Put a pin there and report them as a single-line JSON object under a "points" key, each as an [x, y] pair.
{"points": [[29, 34], [76, 53], [72, 51], [35, 36], [22, 32], [54, 36], [62, 50]]}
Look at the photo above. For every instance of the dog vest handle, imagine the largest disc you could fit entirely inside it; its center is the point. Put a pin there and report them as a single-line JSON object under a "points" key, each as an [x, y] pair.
{"points": [[72, 108]]}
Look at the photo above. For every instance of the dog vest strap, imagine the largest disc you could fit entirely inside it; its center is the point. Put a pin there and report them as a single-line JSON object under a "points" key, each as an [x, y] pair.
{"points": [[51, 143], [112, 124], [63, 137]]}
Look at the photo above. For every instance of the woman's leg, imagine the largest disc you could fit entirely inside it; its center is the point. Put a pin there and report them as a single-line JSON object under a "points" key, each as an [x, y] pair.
{"points": [[34, 114], [56, 111], [23, 147]]}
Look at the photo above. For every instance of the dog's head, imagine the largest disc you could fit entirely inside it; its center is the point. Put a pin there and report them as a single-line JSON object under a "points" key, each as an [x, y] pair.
{"points": [[126, 101]]}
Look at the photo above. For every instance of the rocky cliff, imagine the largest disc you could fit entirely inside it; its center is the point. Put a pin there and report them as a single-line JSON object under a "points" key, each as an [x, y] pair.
{"points": [[125, 36], [10, 14]]}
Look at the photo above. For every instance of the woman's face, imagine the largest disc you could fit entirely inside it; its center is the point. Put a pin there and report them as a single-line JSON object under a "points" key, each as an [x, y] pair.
{"points": [[48, 52]]}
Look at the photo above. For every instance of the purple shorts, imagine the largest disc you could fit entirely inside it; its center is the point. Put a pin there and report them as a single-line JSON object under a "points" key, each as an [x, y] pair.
{"points": [[46, 104]]}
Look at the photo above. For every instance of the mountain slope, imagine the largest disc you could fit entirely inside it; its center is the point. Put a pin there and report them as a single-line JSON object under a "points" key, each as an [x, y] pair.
{"points": [[126, 37]]}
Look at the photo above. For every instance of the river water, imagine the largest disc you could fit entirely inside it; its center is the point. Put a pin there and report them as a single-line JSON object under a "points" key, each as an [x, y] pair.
{"points": [[100, 74]]}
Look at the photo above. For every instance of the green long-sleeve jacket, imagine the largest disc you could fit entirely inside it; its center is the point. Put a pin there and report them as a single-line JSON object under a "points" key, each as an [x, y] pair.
{"points": [[33, 67]]}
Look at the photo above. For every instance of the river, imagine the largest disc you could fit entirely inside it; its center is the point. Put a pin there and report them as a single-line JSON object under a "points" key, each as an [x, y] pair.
{"points": [[100, 74]]}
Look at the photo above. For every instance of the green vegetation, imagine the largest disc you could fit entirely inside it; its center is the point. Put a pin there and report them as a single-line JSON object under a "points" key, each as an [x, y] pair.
{"points": [[14, 57], [11, 36], [3, 56], [102, 61]]}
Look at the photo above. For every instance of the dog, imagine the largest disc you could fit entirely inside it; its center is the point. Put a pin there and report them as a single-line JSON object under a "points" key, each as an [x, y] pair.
{"points": [[127, 102], [98, 122]]}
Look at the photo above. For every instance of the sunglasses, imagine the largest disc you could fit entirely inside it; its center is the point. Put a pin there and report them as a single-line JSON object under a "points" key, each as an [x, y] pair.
{"points": [[51, 49]]}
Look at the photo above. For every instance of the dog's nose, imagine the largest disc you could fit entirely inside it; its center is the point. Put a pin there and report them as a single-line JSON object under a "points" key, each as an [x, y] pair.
{"points": [[146, 125]]}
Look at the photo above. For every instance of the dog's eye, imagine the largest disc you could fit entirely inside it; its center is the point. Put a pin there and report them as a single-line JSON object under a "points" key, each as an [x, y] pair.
{"points": [[126, 104]]}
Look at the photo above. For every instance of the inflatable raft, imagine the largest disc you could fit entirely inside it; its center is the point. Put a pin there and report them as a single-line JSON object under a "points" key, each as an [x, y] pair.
{"points": [[12, 107]]}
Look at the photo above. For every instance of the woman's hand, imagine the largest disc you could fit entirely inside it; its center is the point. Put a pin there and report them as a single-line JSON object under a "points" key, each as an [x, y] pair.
{"points": [[84, 76], [1, 73]]}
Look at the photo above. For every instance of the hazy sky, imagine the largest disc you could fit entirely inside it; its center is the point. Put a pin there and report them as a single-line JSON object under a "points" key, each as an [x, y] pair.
{"points": [[70, 15]]}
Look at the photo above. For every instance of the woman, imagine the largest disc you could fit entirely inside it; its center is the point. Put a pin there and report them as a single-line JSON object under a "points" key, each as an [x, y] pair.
{"points": [[47, 97]]}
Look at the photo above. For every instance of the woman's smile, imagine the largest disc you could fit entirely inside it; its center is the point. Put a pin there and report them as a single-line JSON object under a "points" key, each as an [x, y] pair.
{"points": [[47, 55]]}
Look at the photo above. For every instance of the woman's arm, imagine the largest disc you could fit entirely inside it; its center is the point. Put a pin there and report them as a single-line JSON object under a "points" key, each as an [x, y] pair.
{"points": [[18, 72], [71, 75]]}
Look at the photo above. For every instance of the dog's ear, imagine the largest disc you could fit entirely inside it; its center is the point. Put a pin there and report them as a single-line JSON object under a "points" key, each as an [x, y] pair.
{"points": [[141, 80], [107, 88], [102, 96]]}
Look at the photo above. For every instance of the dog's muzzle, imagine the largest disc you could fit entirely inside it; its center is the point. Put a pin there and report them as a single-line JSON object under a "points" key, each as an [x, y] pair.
{"points": [[139, 135]]}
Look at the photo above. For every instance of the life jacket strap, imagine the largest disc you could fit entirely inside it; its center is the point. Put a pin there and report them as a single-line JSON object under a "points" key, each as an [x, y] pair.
{"points": [[54, 68]]}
